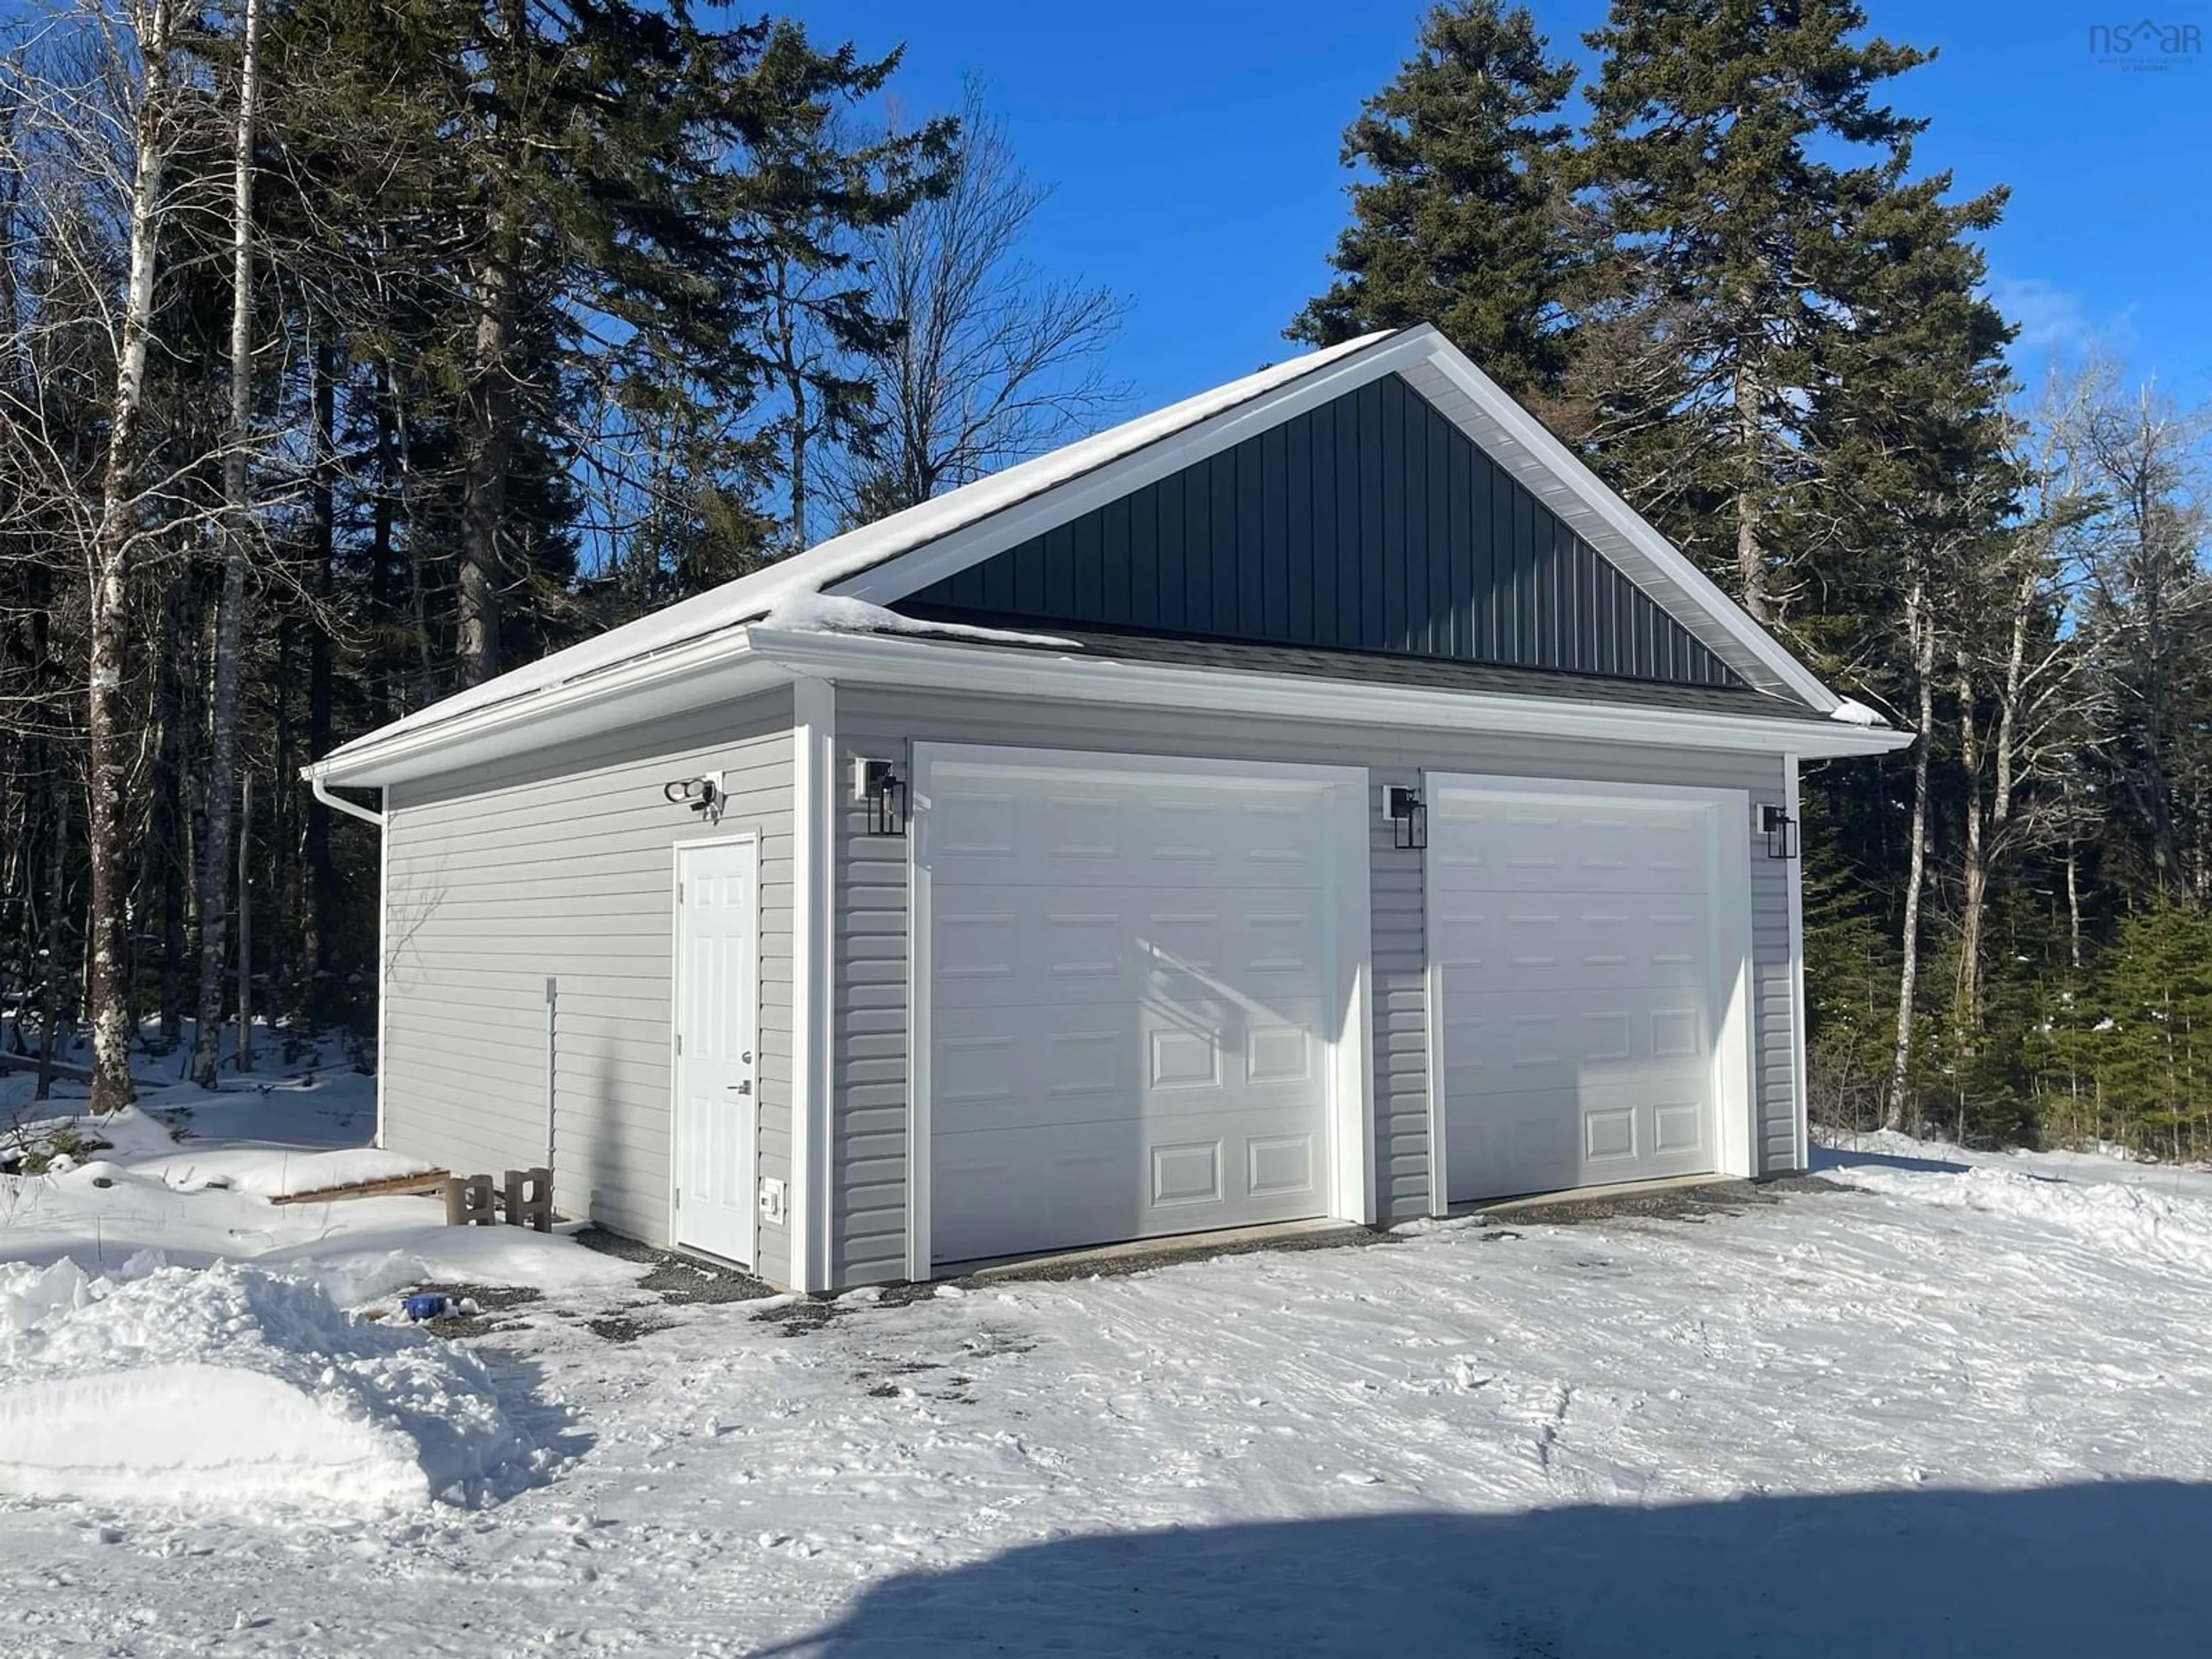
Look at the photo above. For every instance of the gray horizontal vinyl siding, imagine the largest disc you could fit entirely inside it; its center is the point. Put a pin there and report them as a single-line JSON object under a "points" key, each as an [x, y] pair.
{"points": [[560, 864], [868, 1127]]}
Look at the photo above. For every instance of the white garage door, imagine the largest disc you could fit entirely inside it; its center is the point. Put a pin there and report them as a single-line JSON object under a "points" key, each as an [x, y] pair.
{"points": [[1129, 981], [1575, 944]]}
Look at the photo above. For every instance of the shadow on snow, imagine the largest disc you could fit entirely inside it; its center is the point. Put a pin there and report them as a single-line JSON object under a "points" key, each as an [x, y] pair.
{"points": [[2053, 1571], [1842, 1158]]}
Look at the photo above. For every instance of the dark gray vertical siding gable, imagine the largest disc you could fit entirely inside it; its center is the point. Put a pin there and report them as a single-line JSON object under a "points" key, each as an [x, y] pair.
{"points": [[1369, 524], [871, 949]]}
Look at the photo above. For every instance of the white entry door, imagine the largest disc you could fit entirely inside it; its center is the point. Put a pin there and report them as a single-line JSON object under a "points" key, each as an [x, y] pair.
{"points": [[716, 1000], [1586, 948], [1132, 995]]}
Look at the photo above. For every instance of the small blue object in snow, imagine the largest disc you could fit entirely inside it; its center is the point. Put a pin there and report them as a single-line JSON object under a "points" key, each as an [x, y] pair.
{"points": [[431, 1304]]}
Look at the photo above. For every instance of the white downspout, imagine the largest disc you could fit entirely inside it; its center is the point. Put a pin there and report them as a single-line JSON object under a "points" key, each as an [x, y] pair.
{"points": [[337, 803], [383, 903]]}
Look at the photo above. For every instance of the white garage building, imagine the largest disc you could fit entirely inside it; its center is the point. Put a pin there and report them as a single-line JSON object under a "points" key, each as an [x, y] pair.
{"points": [[1323, 798]]}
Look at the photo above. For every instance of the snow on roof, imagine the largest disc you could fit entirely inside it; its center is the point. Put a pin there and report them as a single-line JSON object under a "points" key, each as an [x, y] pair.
{"points": [[752, 598]]}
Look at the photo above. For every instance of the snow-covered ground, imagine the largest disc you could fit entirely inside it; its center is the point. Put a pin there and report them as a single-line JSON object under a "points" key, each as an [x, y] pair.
{"points": [[1964, 1408]]}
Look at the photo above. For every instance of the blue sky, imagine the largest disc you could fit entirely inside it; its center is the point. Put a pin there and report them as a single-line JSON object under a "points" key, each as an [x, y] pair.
{"points": [[1193, 151]]}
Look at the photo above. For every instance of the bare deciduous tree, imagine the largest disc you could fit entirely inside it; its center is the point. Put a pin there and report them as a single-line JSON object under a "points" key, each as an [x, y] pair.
{"points": [[997, 361], [117, 535], [214, 848]]}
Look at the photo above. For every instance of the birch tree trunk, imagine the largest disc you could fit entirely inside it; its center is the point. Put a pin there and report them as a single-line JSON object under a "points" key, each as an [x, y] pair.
{"points": [[1920, 620], [1750, 555], [113, 549], [490, 428], [245, 928], [1975, 858], [484, 499], [2073, 903], [50, 990], [215, 849]]}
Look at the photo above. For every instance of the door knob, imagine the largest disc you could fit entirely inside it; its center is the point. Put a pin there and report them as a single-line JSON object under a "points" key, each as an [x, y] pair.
{"points": [[745, 1088]]}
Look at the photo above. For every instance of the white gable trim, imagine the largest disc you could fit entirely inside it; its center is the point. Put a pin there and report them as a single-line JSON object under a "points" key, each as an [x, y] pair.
{"points": [[1441, 374], [1520, 443]]}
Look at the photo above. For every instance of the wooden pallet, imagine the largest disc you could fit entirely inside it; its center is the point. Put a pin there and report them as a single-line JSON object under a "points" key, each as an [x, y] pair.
{"points": [[429, 1181]]}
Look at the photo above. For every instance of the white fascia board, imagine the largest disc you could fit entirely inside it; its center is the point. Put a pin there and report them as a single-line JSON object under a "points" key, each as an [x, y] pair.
{"points": [[874, 659], [721, 666], [910, 571], [1517, 426]]}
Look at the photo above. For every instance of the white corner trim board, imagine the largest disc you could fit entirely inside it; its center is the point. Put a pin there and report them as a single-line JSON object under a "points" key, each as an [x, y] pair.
{"points": [[1800, 1084], [813, 751]]}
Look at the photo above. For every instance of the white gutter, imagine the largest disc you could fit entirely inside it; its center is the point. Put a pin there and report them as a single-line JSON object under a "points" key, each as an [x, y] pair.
{"points": [[739, 660], [879, 660], [690, 676], [337, 803]]}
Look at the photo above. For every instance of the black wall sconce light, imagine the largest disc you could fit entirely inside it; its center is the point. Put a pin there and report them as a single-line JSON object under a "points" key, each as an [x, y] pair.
{"points": [[1780, 830], [1409, 817], [702, 794], [877, 785]]}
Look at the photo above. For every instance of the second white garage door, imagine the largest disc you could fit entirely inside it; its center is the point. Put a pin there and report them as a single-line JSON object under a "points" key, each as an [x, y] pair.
{"points": [[1585, 949], [1133, 995]]}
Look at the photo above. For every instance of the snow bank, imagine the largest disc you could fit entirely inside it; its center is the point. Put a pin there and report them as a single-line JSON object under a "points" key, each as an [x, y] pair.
{"points": [[233, 1388], [2127, 1220]]}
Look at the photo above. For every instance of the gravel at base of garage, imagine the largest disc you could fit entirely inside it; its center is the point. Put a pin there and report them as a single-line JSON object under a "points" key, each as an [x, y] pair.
{"points": [[678, 1279]]}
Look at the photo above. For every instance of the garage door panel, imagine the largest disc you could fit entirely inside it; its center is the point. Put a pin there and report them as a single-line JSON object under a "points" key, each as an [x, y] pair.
{"points": [[1573, 948], [1550, 1139], [1138, 1060], [1568, 942], [1039, 946], [1542, 848], [1129, 1002], [1522, 1039], [1061, 1186], [1005, 829]]}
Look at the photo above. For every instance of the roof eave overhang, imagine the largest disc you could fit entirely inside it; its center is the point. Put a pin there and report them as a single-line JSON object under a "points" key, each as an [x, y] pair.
{"points": [[1000, 671], [693, 675]]}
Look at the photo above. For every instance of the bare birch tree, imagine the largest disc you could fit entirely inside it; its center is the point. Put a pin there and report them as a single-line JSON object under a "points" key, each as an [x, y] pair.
{"points": [[997, 361], [2015, 669], [104, 103], [1920, 626], [214, 848], [115, 545]]}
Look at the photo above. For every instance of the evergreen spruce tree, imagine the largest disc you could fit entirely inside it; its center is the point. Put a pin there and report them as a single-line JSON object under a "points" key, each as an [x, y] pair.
{"points": [[1463, 223], [1718, 158], [1904, 458]]}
